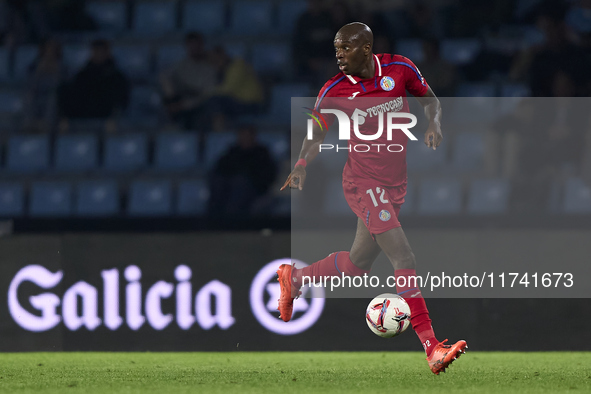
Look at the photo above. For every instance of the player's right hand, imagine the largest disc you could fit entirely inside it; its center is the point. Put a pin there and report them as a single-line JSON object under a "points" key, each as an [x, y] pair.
{"points": [[296, 178]]}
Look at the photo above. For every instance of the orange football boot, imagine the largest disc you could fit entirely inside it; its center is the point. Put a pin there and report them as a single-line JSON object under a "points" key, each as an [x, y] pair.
{"points": [[443, 355], [288, 291]]}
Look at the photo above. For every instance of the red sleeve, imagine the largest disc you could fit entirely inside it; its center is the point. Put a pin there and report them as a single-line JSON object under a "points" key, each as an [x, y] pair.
{"points": [[415, 83]]}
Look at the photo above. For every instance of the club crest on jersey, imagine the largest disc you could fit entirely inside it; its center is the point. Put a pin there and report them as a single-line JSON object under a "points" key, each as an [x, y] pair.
{"points": [[387, 83], [384, 215]]}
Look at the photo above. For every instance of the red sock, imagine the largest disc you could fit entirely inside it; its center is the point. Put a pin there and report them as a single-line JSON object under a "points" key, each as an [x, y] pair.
{"points": [[335, 264], [419, 315]]}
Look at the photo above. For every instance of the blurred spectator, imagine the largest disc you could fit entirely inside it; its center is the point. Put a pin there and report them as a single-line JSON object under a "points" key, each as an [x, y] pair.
{"points": [[13, 22], [241, 176], [442, 75], [46, 75], [188, 84], [98, 91], [422, 21], [239, 91], [545, 137], [313, 54], [557, 54]]}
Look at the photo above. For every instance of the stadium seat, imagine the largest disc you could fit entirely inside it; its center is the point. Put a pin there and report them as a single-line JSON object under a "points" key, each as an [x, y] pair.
{"points": [[150, 198], [334, 198], [439, 197], [468, 151], [577, 197], [251, 17], [193, 197], [460, 51], [97, 198], [169, 55], [50, 199], [278, 144], [421, 158], [126, 152], [144, 102], [28, 153], [4, 64], [207, 17], [76, 153], [176, 151], [108, 15], [23, 59], [12, 199], [216, 145], [411, 48], [154, 17], [133, 60], [11, 102], [270, 58], [489, 196], [288, 15], [75, 57], [280, 110]]}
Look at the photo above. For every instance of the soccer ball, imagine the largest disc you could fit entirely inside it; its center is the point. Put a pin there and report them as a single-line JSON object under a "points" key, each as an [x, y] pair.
{"points": [[388, 315]]}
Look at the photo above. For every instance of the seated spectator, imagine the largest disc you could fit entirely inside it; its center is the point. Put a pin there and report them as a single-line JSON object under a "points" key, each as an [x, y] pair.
{"points": [[188, 84], [98, 91], [241, 176], [559, 126], [313, 61], [558, 53], [442, 75], [46, 74], [239, 91]]}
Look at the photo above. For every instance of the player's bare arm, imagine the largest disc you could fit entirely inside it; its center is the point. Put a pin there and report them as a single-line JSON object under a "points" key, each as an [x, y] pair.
{"points": [[310, 149], [432, 108]]}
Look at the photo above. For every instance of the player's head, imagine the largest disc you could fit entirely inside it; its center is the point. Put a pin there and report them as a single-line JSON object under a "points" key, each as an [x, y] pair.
{"points": [[353, 44]]}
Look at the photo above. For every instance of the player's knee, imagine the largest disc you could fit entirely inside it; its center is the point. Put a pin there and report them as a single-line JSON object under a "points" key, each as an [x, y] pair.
{"points": [[405, 261], [363, 263]]}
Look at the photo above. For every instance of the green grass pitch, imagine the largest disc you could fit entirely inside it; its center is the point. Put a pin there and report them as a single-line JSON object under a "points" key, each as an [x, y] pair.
{"points": [[302, 373]]}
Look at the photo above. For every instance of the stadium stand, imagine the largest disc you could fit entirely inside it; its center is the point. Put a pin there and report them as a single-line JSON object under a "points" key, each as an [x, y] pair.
{"points": [[150, 198], [489, 196], [97, 198], [27, 154], [206, 17], [124, 153], [76, 153], [50, 199], [12, 199], [440, 197]]}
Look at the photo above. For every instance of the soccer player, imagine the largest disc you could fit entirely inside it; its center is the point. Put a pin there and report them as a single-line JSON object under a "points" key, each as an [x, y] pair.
{"points": [[374, 182]]}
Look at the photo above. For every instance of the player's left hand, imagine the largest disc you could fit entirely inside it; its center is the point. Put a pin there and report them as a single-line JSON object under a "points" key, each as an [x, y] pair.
{"points": [[433, 135]]}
